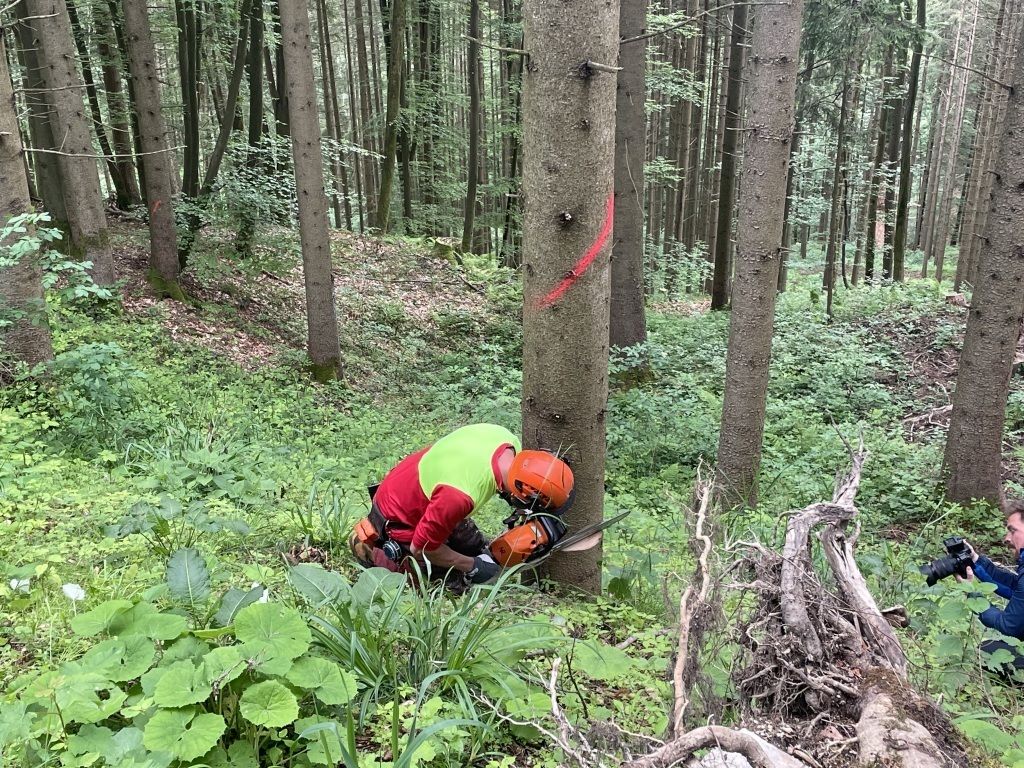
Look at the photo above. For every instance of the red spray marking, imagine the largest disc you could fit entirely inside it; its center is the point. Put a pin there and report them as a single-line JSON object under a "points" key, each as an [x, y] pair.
{"points": [[156, 207], [584, 263]]}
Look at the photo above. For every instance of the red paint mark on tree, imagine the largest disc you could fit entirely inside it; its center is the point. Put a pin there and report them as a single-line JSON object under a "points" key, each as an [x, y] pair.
{"points": [[156, 207], [584, 263]]}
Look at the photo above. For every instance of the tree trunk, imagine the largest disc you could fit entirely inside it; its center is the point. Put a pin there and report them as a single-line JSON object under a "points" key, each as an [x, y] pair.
{"points": [[775, 48], [247, 216], [25, 335], [282, 112], [473, 76], [157, 161], [899, 245], [974, 445], [48, 181], [568, 170], [120, 129], [834, 233], [727, 188], [628, 324], [80, 180], [357, 168], [188, 57], [365, 110], [396, 71], [876, 168], [114, 171], [304, 121]]}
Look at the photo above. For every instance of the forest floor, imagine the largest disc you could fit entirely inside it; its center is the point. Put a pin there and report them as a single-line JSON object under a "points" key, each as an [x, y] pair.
{"points": [[428, 344]]}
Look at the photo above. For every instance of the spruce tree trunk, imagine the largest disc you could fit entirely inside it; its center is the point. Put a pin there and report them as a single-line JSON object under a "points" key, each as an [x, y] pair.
{"points": [[247, 223], [157, 161], [899, 246], [112, 64], [473, 160], [727, 188], [26, 337], [365, 112], [396, 70], [568, 169], [48, 184], [834, 234], [774, 51], [974, 444], [876, 169], [357, 167], [628, 322], [304, 124], [69, 120]]}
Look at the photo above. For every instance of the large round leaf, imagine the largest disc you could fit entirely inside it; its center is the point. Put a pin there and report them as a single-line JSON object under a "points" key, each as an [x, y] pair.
{"points": [[269, 703], [188, 578], [271, 631], [91, 623], [184, 684], [324, 678], [183, 733], [144, 619], [224, 664], [120, 659], [317, 585], [86, 697]]}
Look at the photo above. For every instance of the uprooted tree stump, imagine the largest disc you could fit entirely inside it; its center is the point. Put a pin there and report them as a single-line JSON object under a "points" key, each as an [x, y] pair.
{"points": [[818, 653]]}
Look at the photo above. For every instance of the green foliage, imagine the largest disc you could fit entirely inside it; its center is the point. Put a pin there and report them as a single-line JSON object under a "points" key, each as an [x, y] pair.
{"points": [[168, 526]]}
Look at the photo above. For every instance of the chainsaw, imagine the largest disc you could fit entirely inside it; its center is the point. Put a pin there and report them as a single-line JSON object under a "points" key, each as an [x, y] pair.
{"points": [[533, 537]]}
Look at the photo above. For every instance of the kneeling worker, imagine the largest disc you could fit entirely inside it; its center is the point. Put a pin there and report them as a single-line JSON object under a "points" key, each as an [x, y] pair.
{"points": [[1009, 585], [422, 507]]}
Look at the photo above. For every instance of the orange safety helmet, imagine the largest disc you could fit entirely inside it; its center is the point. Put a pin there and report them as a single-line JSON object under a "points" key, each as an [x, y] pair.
{"points": [[540, 478]]}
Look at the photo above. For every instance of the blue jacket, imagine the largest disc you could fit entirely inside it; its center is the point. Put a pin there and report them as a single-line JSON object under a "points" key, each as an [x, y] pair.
{"points": [[1009, 620]]}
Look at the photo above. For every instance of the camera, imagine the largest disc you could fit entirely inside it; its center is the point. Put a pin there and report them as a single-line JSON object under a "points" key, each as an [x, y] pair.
{"points": [[957, 561]]}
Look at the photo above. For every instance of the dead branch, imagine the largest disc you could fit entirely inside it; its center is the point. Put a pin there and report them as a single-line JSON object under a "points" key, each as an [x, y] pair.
{"points": [[690, 613]]}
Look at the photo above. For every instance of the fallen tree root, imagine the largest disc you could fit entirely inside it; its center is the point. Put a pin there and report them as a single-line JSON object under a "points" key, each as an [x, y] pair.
{"points": [[759, 752], [885, 733]]}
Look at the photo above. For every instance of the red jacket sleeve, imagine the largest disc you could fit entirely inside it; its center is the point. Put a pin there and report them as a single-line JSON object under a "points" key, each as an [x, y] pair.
{"points": [[446, 509]]}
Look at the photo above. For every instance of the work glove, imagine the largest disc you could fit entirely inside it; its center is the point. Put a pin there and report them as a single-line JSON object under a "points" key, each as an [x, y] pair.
{"points": [[484, 569]]}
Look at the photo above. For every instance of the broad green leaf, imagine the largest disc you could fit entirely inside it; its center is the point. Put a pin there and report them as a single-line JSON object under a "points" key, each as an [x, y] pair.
{"points": [[224, 664], [318, 586], [120, 659], [150, 679], [986, 734], [950, 647], [233, 601], [239, 755], [144, 619], [182, 733], [602, 662], [269, 703], [91, 740], [184, 684], [954, 612], [15, 722], [188, 578], [324, 741], [977, 604], [188, 648], [376, 584], [324, 678], [99, 619], [86, 697], [998, 658], [271, 631]]}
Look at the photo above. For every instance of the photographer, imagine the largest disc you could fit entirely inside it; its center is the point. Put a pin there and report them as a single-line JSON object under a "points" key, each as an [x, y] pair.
{"points": [[1009, 584]]}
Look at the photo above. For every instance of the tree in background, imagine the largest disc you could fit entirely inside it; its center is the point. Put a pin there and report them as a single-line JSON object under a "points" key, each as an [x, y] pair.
{"points": [[973, 458], [70, 128], [24, 333], [304, 125], [628, 320], [568, 169], [157, 161], [774, 53]]}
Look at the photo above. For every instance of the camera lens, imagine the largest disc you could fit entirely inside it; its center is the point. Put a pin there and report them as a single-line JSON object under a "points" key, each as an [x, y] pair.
{"points": [[939, 569], [392, 549]]}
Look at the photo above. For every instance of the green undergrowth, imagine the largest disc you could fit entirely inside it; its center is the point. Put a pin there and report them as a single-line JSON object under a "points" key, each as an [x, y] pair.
{"points": [[134, 448]]}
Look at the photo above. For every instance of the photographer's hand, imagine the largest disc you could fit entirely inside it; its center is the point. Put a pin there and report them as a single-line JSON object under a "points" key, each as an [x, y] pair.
{"points": [[969, 576], [974, 555]]}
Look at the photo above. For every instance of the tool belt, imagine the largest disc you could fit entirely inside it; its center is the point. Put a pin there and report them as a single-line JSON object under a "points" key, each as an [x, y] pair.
{"points": [[374, 531]]}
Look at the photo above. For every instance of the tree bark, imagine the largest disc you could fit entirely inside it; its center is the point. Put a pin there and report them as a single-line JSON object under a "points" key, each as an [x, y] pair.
{"points": [[568, 169], [48, 183], [111, 64], [899, 245], [396, 71], [870, 222], [25, 336], [775, 47], [834, 233], [473, 76], [628, 323], [304, 121], [69, 120], [157, 161], [727, 188], [974, 444]]}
